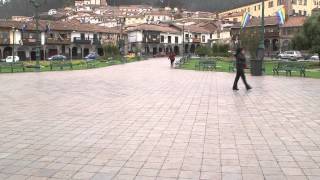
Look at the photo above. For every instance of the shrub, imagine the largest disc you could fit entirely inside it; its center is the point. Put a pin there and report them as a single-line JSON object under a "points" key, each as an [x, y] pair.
{"points": [[220, 50], [110, 51], [203, 51]]}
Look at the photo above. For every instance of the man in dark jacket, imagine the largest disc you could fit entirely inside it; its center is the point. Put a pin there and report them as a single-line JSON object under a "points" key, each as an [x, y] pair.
{"points": [[240, 65]]}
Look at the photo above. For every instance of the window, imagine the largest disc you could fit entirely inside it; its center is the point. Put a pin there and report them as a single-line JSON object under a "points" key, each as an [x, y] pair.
{"points": [[203, 38], [82, 36], [270, 4], [169, 39], [154, 37], [255, 8], [176, 39], [162, 39]]}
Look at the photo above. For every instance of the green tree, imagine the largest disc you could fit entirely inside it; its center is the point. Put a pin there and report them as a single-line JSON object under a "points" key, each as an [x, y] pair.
{"points": [[203, 51], [249, 40], [110, 50], [309, 37], [219, 49]]}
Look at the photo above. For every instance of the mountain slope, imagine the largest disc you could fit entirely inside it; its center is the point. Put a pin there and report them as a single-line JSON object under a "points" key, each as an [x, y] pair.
{"points": [[23, 7]]}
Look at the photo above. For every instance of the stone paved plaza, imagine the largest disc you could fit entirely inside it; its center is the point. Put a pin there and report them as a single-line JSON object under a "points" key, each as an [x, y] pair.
{"points": [[146, 121]]}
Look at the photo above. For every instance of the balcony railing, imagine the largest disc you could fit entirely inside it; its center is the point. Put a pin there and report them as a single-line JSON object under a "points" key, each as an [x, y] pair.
{"points": [[4, 41], [58, 41], [29, 41], [196, 40], [96, 41], [78, 40], [272, 34]]}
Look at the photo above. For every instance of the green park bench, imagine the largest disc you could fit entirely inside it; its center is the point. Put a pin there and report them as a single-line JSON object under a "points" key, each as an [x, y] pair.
{"points": [[12, 66], [289, 67], [60, 64], [207, 64], [92, 64]]}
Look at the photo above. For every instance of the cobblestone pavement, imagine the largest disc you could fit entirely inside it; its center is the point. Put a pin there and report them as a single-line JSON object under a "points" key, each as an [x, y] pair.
{"points": [[146, 121]]}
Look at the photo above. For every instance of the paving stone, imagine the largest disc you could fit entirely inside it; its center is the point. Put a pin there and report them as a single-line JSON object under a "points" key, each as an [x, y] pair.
{"points": [[144, 120]]}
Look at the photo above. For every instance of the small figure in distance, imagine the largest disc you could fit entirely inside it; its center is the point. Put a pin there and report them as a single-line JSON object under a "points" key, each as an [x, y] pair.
{"points": [[240, 66], [172, 58]]}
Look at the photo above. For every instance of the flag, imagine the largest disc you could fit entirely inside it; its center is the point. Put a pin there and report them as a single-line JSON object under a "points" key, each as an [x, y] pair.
{"points": [[245, 19], [281, 14]]}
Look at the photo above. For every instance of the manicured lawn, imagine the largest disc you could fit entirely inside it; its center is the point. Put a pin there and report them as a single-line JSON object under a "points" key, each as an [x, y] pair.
{"points": [[76, 65], [313, 68]]}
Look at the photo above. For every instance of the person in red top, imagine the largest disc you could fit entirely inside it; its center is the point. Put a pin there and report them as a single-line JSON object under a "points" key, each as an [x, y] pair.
{"points": [[172, 58]]}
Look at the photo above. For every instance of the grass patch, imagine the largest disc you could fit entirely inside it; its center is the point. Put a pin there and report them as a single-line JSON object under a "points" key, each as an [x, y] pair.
{"points": [[76, 65], [313, 68]]}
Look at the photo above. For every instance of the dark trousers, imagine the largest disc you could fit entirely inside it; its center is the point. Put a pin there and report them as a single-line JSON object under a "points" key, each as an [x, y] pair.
{"points": [[240, 73], [171, 61]]}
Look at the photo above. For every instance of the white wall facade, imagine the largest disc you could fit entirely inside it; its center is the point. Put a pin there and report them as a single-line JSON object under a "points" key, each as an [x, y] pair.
{"points": [[135, 36]]}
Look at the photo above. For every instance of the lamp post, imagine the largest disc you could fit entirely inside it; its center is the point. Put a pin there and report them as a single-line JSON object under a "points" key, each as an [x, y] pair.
{"points": [[183, 45], [37, 4], [261, 44], [256, 64], [120, 22], [13, 44]]}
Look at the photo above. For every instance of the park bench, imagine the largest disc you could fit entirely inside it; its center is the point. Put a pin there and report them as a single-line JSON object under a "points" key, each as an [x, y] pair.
{"points": [[60, 64], [91, 64], [207, 64], [12, 66], [288, 67]]}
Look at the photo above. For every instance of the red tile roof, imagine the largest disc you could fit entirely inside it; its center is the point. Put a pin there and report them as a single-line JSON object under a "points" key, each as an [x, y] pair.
{"points": [[295, 21], [59, 26]]}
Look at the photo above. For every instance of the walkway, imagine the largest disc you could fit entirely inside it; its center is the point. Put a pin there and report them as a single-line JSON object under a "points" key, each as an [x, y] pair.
{"points": [[146, 121]]}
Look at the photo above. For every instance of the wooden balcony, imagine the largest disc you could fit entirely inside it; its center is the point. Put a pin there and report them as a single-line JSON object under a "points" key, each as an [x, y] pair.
{"points": [[196, 40], [5, 41], [30, 41], [272, 34], [51, 41], [81, 41]]}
